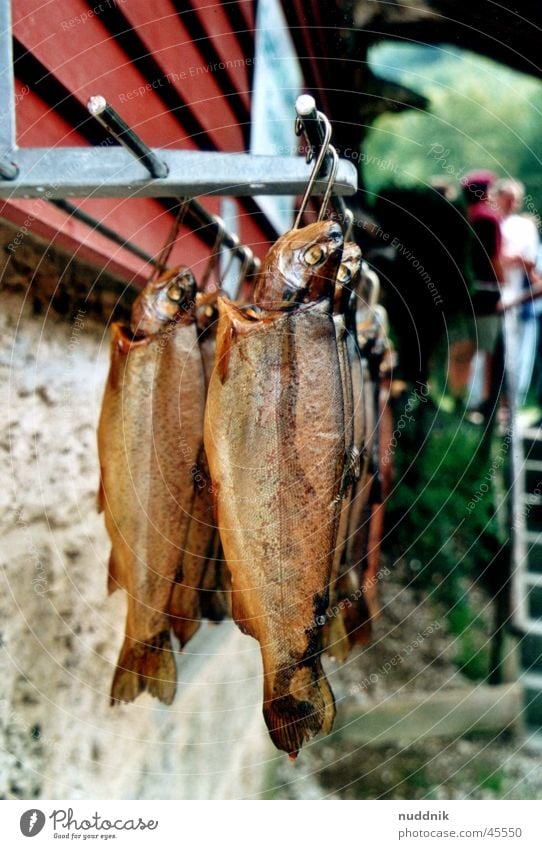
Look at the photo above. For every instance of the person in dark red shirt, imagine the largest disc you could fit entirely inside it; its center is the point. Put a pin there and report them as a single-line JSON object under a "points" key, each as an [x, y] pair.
{"points": [[486, 263]]}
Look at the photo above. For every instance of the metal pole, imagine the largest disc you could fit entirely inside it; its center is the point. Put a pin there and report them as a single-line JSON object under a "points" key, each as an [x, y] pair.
{"points": [[119, 129], [62, 172], [8, 169], [90, 221]]}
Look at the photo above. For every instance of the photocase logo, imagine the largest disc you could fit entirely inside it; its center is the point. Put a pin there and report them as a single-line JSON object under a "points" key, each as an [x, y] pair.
{"points": [[32, 822]]}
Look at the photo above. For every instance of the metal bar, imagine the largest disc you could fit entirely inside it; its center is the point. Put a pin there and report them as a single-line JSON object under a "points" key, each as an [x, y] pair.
{"points": [[7, 94], [8, 169], [90, 221], [112, 172], [314, 132], [204, 217], [119, 129]]}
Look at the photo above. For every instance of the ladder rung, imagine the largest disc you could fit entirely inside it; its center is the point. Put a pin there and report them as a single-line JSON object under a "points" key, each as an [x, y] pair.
{"points": [[532, 679], [533, 465], [530, 499], [532, 579]]}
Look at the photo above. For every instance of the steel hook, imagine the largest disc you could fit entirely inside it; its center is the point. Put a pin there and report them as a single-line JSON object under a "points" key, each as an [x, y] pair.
{"points": [[215, 253], [348, 224], [233, 252], [331, 182], [316, 168]]}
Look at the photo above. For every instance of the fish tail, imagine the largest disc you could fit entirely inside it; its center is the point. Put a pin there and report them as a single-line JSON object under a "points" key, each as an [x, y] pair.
{"points": [[336, 642], [362, 634], [213, 595], [146, 666], [184, 613], [307, 709], [214, 606], [100, 495]]}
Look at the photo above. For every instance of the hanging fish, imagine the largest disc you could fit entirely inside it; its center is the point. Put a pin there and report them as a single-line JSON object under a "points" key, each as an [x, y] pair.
{"points": [[362, 545], [149, 436], [335, 631], [200, 589], [184, 606], [274, 438]]}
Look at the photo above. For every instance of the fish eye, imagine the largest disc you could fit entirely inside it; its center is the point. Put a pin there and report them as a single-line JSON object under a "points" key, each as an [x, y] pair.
{"points": [[344, 275], [174, 292], [314, 254]]}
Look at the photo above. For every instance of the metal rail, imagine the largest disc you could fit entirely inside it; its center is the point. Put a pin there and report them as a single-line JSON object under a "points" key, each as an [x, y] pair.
{"points": [[113, 172]]}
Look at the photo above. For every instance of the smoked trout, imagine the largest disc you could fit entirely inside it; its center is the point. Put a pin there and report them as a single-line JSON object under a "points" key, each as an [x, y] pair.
{"points": [[348, 276], [199, 592], [274, 438], [149, 436]]}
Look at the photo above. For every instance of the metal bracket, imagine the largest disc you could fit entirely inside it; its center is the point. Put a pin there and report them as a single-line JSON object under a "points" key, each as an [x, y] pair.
{"points": [[112, 172]]}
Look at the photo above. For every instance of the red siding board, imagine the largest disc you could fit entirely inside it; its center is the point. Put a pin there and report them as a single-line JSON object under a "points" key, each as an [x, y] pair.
{"points": [[40, 126], [58, 229], [170, 44], [216, 24], [247, 10], [88, 61]]}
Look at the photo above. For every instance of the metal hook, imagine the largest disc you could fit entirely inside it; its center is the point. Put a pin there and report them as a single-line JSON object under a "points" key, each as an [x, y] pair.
{"points": [[316, 169], [349, 224], [215, 253], [248, 261], [173, 234], [331, 182], [233, 251]]}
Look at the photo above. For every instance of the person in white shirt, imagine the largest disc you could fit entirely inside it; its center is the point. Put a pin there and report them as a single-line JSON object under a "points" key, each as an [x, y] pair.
{"points": [[520, 248]]}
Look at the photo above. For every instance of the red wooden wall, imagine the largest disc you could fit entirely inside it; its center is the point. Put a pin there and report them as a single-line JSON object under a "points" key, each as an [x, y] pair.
{"points": [[157, 63]]}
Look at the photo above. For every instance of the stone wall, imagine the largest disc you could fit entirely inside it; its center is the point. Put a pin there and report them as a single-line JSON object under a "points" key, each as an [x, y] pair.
{"points": [[59, 631]]}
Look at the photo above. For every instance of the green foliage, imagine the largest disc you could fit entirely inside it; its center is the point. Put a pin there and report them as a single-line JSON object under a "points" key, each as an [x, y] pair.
{"points": [[441, 461], [482, 114], [490, 779]]}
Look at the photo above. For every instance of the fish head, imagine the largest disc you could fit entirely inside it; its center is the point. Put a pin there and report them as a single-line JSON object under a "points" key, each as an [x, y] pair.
{"points": [[163, 301], [348, 274], [300, 267], [348, 278]]}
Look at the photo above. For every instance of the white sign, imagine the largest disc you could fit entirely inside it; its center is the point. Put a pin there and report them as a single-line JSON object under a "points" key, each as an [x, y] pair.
{"points": [[277, 84]]}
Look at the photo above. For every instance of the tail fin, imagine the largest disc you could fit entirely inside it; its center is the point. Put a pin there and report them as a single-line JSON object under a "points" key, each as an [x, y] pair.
{"points": [[335, 638], [113, 574], [184, 612], [145, 666], [306, 710], [214, 592]]}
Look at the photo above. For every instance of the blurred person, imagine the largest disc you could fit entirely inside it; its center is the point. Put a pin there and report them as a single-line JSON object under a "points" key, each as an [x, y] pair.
{"points": [[520, 247], [486, 249]]}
